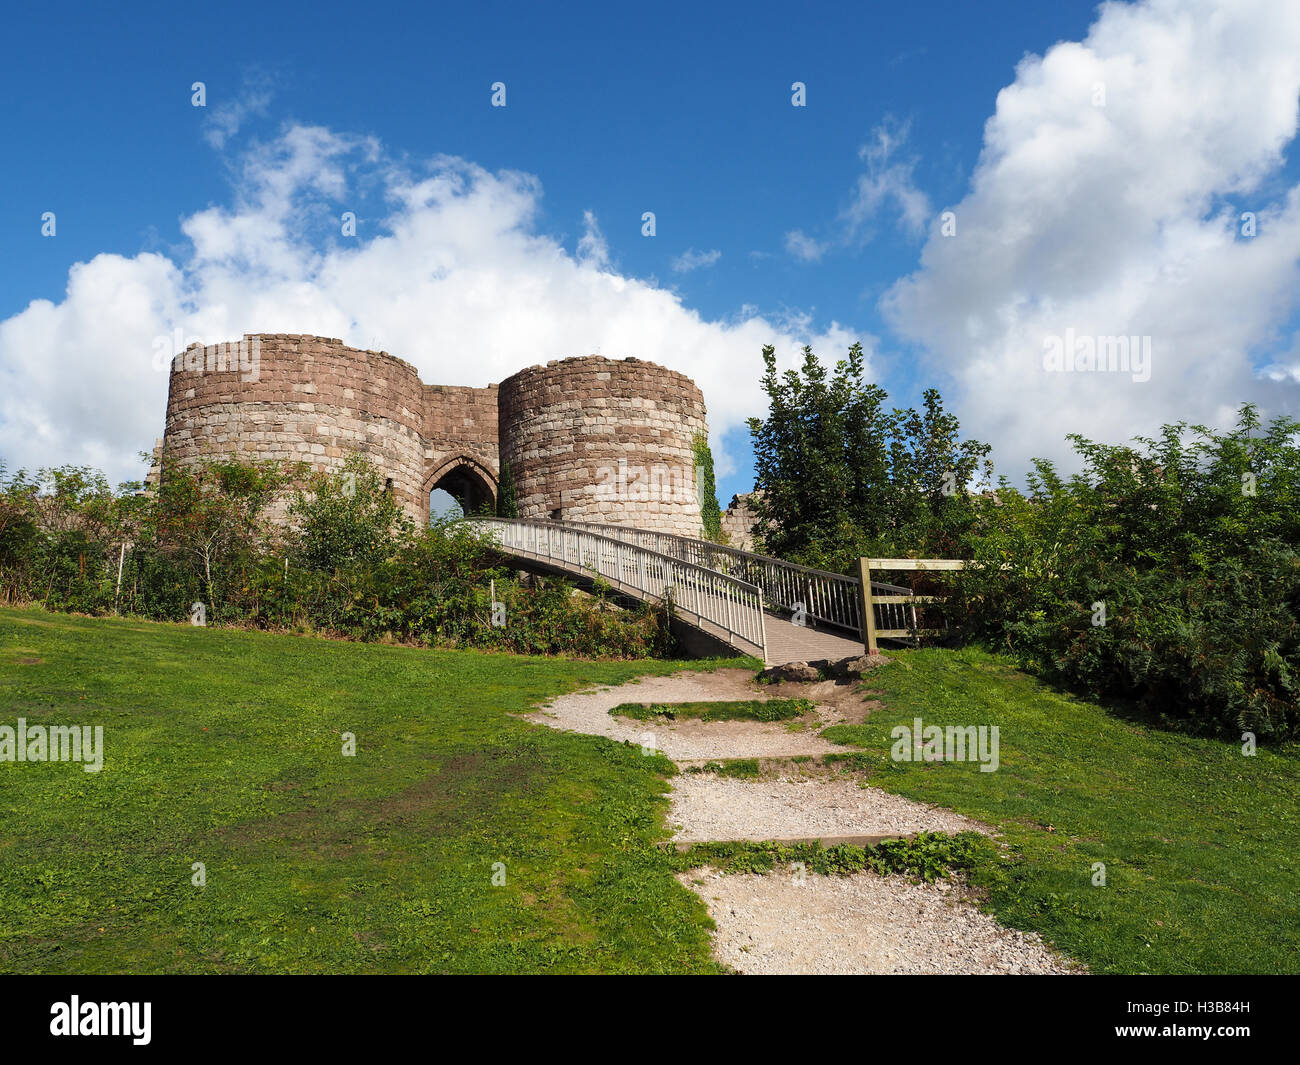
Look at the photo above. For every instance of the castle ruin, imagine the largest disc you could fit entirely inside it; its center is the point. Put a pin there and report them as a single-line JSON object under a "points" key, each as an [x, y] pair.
{"points": [[584, 439]]}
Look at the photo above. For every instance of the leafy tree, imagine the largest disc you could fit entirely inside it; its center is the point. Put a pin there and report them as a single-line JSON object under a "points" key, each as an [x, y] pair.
{"points": [[345, 519], [1165, 572], [211, 519], [837, 476]]}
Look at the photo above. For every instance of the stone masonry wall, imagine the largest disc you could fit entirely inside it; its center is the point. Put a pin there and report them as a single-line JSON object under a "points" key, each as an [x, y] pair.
{"points": [[603, 440], [303, 398], [460, 422], [738, 522], [589, 439]]}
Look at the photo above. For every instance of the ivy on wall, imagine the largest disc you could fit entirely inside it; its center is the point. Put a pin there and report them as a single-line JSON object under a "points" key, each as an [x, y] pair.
{"points": [[507, 503], [707, 489]]}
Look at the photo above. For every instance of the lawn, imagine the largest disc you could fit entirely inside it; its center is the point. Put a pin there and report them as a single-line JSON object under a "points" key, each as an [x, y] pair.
{"points": [[1201, 844], [225, 748]]}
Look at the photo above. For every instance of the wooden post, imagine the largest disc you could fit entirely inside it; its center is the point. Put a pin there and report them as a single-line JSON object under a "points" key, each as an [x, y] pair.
{"points": [[868, 612]]}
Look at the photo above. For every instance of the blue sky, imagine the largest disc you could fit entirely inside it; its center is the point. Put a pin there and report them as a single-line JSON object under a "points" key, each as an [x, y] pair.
{"points": [[683, 110]]}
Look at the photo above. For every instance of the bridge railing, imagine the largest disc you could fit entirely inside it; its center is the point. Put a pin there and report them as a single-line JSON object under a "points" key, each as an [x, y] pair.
{"points": [[833, 599], [717, 602]]}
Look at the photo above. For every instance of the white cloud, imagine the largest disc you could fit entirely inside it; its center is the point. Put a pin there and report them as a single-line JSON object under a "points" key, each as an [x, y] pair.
{"points": [[691, 259], [803, 247], [593, 250], [888, 179], [225, 117], [1122, 219], [450, 273]]}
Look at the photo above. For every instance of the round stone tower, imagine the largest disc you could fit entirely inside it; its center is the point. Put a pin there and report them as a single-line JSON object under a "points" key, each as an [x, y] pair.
{"points": [[603, 440], [300, 398]]}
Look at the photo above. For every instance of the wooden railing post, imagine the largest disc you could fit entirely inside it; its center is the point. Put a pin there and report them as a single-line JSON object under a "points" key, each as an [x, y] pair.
{"points": [[868, 613]]}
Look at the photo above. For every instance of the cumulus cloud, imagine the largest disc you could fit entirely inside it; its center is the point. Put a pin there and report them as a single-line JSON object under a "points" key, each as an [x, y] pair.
{"points": [[448, 271], [691, 259], [1107, 201]]}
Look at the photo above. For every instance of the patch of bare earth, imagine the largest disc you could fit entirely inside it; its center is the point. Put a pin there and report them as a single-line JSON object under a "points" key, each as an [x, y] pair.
{"points": [[685, 739], [785, 923]]}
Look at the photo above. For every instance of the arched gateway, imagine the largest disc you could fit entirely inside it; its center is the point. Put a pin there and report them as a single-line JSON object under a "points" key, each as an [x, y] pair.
{"points": [[467, 481], [586, 439]]}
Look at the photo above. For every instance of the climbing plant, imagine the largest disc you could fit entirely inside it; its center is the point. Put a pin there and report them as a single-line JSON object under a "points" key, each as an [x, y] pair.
{"points": [[707, 489], [507, 502]]}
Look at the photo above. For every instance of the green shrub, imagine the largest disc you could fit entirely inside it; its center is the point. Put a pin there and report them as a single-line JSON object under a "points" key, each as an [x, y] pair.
{"points": [[349, 563], [1164, 574]]}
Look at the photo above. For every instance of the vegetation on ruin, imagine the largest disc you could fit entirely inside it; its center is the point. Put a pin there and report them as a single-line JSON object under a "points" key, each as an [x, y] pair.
{"points": [[348, 564], [507, 494], [706, 485]]}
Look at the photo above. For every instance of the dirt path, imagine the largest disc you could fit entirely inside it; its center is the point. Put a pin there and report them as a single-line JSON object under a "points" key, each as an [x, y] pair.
{"points": [[787, 921], [704, 807], [683, 740], [781, 923]]}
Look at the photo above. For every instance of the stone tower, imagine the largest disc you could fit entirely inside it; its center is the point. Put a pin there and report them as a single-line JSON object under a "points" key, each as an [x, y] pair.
{"points": [[603, 440], [586, 439]]}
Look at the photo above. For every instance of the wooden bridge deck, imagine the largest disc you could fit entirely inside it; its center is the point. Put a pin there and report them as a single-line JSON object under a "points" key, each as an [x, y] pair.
{"points": [[710, 600], [788, 642]]}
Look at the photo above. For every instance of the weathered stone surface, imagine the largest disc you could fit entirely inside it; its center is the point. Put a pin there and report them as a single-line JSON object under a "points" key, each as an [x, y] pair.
{"points": [[601, 440], [851, 667], [591, 438], [738, 522], [855, 667]]}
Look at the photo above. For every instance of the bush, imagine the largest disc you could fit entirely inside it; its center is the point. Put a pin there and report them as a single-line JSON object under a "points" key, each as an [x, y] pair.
{"points": [[348, 563], [1164, 573]]}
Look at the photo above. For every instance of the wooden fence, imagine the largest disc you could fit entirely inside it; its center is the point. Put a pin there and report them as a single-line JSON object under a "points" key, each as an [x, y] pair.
{"points": [[871, 632]]}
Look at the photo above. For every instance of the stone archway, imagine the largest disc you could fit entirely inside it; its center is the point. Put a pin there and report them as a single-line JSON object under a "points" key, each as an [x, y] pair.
{"points": [[465, 479]]}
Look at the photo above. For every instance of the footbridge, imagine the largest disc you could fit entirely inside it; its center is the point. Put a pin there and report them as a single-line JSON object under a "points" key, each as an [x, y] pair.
{"points": [[758, 605]]}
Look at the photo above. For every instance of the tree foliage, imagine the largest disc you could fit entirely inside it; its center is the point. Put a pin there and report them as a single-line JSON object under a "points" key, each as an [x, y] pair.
{"points": [[1165, 572], [838, 475]]}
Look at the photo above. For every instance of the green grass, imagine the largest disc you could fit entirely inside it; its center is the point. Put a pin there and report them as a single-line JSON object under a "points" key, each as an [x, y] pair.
{"points": [[1201, 844], [719, 710], [743, 768], [928, 856], [224, 747]]}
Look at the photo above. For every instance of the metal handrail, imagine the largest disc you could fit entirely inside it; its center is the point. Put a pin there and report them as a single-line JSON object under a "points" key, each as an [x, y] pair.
{"points": [[712, 597], [830, 598]]}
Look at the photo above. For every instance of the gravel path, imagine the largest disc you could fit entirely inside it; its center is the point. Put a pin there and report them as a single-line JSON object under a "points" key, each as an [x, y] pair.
{"points": [[707, 807], [685, 739], [780, 923], [859, 924]]}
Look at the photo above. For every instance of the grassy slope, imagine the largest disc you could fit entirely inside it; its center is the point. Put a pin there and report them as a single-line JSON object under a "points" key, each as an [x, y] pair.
{"points": [[224, 748], [1201, 844]]}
